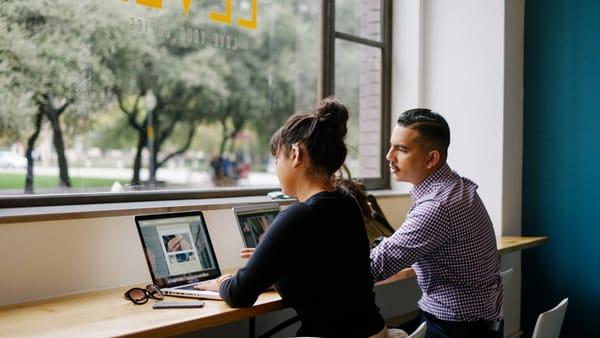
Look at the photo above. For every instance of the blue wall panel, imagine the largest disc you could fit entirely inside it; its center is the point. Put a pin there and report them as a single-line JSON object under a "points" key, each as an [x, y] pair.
{"points": [[561, 167]]}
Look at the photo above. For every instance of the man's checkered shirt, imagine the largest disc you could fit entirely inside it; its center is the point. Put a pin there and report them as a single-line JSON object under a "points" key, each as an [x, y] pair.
{"points": [[449, 241]]}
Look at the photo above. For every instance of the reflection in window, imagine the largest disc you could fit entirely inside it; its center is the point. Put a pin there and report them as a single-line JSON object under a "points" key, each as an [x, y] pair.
{"points": [[114, 94]]}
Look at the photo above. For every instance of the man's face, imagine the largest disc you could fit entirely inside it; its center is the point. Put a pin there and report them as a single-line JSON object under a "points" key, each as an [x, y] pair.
{"points": [[408, 158]]}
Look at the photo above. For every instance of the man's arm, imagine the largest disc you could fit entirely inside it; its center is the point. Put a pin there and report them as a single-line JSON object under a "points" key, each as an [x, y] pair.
{"points": [[400, 275], [426, 227]]}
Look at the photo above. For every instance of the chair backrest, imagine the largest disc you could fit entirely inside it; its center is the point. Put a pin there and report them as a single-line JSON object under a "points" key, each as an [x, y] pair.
{"points": [[505, 275], [420, 331], [549, 323]]}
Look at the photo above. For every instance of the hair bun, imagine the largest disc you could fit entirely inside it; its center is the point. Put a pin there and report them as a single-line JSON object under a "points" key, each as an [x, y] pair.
{"points": [[333, 113]]}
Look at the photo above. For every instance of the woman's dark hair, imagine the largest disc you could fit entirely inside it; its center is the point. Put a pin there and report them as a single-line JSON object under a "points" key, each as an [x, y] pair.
{"points": [[321, 131], [432, 127]]}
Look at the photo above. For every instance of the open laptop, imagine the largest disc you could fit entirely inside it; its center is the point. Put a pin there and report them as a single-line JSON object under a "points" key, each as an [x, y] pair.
{"points": [[254, 220], [179, 253]]}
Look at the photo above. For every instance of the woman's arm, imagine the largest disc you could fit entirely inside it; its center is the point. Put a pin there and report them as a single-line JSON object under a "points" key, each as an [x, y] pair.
{"points": [[267, 263]]}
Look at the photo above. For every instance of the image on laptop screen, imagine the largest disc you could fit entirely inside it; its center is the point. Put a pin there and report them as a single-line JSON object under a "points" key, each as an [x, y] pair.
{"points": [[178, 248], [254, 220]]}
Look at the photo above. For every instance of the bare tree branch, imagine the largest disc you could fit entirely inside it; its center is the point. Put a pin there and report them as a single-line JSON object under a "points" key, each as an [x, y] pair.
{"points": [[131, 115], [181, 150]]}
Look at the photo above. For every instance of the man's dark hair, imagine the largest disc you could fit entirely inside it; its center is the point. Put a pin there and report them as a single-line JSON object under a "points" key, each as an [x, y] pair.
{"points": [[432, 127]]}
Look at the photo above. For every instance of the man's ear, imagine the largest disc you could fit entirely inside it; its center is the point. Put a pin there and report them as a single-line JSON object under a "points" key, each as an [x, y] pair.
{"points": [[296, 154], [433, 158]]}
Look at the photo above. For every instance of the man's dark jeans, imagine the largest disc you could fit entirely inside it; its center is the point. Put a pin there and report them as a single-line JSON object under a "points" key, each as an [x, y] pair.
{"points": [[443, 329]]}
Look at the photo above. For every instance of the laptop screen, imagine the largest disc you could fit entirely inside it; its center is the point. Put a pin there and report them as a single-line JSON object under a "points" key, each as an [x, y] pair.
{"points": [[254, 220], [178, 248]]}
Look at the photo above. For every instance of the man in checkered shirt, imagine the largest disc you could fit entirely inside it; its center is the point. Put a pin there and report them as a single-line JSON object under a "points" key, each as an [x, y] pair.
{"points": [[447, 237]]}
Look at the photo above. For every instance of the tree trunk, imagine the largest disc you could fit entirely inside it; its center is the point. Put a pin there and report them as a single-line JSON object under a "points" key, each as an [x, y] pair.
{"points": [[137, 163], [59, 146], [224, 140], [152, 171], [29, 153], [152, 167], [141, 130]]}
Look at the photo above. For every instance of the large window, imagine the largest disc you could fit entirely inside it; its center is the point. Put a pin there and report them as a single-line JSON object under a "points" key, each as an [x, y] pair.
{"points": [[113, 98]]}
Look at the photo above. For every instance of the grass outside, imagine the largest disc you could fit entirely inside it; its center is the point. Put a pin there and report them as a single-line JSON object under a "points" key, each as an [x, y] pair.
{"points": [[17, 181]]}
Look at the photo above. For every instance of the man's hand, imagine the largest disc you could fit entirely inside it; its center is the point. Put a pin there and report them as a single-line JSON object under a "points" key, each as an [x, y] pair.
{"points": [[174, 243], [178, 243], [400, 275], [247, 252], [184, 245]]}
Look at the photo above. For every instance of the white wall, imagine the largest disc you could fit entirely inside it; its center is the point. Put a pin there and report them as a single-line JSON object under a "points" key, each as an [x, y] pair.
{"points": [[53, 258], [464, 81], [464, 59], [48, 259]]}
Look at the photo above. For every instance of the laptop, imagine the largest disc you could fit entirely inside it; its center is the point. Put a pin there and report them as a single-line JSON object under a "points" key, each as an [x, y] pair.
{"points": [[179, 253], [254, 220]]}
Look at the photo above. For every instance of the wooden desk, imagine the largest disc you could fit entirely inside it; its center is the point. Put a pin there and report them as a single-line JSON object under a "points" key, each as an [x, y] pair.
{"points": [[107, 314], [508, 244], [505, 244]]}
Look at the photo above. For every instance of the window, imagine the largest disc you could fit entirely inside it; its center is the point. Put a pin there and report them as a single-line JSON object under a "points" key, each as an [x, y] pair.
{"points": [[157, 99], [360, 69]]}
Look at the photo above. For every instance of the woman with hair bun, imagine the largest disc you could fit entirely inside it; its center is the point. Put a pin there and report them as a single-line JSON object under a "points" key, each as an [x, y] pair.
{"points": [[322, 235]]}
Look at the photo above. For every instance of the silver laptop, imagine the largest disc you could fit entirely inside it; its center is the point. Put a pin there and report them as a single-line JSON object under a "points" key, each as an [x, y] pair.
{"points": [[254, 220], [179, 253]]}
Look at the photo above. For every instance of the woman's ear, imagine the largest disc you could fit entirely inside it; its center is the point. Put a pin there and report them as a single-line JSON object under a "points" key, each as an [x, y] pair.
{"points": [[296, 154]]}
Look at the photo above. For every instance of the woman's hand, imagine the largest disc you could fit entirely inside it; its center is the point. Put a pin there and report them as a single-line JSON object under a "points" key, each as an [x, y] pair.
{"points": [[213, 285]]}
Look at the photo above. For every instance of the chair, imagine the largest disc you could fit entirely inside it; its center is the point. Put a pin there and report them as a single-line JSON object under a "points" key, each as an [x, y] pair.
{"points": [[549, 323], [420, 331], [505, 275]]}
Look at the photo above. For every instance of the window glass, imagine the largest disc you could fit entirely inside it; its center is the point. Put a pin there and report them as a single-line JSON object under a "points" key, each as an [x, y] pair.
{"points": [[358, 83], [119, 95], [360, 18]]}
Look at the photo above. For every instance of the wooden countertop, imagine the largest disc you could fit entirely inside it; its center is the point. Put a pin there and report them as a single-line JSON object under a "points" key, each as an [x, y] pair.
{"points": [[505, 244], [508, 244], [106, 313]]}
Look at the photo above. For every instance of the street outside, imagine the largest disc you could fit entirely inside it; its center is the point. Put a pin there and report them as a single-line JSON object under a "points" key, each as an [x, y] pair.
{"points": [[177, 178]]}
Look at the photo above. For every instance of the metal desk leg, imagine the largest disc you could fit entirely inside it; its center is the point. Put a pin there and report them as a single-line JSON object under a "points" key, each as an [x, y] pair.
{"points": [[252, 327]]}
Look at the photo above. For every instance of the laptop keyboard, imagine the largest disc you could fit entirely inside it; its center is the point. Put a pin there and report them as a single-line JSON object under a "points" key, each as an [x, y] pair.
{"points": [[185, 292]]}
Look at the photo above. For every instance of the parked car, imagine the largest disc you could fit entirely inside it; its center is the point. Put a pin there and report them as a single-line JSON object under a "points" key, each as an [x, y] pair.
{"points": [[9, 159]]}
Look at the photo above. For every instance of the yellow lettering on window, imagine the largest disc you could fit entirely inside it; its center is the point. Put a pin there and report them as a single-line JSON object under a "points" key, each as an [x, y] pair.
{"points": [[224, 18], [250, 23], [219, 17], [186, 6], [150, 3]]}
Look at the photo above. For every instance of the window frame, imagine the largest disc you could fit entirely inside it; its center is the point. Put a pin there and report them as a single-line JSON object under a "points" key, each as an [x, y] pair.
{"points": [[330, 34], [325, 88]]}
